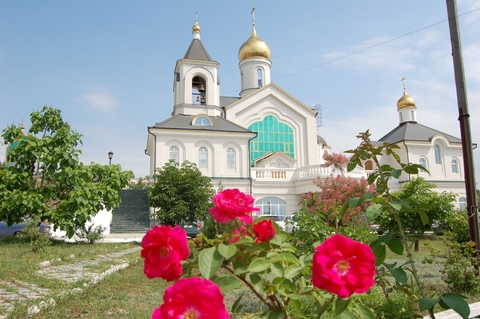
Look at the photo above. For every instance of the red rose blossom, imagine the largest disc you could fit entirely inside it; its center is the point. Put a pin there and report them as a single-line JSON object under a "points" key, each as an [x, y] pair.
{"points": [[192, 298], [264, 231], [231, 204], [164, 248], [343, 266]]}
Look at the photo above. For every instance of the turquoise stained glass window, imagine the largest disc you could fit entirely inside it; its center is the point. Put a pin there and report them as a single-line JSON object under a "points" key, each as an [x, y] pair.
{"points": [[272, 136]]}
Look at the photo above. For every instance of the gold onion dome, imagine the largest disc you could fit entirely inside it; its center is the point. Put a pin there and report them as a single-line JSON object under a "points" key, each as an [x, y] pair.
{"points": [[254, 47], [196, 27], [406, 101]]}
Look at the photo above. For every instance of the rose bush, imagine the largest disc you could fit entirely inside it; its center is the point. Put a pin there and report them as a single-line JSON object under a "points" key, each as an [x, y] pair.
{"points": [[287, 283]]}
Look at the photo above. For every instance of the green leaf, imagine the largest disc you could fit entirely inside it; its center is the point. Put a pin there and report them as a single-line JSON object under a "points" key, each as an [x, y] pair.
{"points": [[396, 246], [209, 261], [277, 269], [277, 313], [380, 253], [259, 264], [293, 271], [297, 304], [237, 305], [227, 251], [411, 169], [423, 217], [426, 303], [351, 165], [457, 303], [285, 257], [373, 212], [396, 205], [396, 173], [256, 281], [354, 202], [341, 304], [364, 311], [399, 274], [228, 283]]}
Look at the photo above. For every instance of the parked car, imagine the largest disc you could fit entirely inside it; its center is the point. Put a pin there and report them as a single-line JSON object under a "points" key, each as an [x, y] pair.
{"points": [[13, 230], [17, 228], [291, 224], [193, 229]]}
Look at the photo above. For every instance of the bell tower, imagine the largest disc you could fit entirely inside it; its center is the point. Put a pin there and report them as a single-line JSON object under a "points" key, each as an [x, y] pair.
{"points": [[196, 85]]}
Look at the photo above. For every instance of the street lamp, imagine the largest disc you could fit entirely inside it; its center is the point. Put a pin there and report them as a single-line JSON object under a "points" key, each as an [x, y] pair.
{"points": [[110, 155]]}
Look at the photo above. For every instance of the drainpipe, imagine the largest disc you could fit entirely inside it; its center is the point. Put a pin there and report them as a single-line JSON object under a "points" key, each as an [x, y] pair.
{"points": [[408, 158], [249, 167]]}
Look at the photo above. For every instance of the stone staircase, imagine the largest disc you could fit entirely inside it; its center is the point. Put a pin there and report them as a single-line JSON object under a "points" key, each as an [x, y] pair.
{"points": [[132, 216]]}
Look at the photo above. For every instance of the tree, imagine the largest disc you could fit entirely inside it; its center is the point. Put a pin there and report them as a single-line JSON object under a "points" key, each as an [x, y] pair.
{"points": [[421, 205], [44, 178], [335, 192], [181, 192]]}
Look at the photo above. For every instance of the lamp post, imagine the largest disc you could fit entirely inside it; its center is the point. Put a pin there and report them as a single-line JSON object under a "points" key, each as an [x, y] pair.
{"points": [[110, 156]]}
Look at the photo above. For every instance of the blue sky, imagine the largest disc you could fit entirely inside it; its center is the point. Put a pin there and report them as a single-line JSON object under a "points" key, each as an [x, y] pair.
{"points": [[108, 65]]}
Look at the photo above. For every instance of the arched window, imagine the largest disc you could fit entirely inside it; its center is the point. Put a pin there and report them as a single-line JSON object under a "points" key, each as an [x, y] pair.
{"points": [[462, 203], [271, 206], [272, 136], [454, 166], [202, 121], [438, 159], [369, 165], [203, 157], [174, 153], [422, 162], [231, 158], [260, 77]]}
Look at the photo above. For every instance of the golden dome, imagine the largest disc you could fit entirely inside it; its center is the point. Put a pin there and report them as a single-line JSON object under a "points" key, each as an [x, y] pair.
{"points": [[406, 101], [196, 27], [254, 47]]}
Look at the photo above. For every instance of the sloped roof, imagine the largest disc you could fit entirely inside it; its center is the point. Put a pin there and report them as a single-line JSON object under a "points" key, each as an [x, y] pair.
{"points": [[196, 51], [227, 100], [410, 131], [183, 122]]}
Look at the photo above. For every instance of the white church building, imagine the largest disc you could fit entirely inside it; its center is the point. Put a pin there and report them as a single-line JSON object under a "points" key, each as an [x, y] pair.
{"points": [[264, 142]]}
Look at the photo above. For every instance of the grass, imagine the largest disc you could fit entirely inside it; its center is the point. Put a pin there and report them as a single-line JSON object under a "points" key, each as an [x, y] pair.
{"points": [[19, 262], [126, 293]]}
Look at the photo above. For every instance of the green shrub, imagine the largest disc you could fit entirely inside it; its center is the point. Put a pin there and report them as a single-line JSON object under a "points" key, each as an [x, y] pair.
{"points": [[91, 233], [457, 225], [33, 237]]}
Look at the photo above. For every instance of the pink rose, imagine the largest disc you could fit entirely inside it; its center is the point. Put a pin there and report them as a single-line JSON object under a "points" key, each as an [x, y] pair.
{"points": [[231, 204], [192, 298], [164, 248], [264, 231], [343, 266]]}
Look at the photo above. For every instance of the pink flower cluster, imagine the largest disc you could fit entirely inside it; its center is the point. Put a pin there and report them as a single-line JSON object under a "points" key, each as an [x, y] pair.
{"points": [[343, 266]]}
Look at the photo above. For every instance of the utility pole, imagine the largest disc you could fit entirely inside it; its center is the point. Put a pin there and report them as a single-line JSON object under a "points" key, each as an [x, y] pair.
{"points": [[464, 119]]}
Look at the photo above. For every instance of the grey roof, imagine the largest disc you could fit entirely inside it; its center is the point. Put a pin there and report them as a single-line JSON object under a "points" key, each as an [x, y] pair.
{"points": [[321, 140], [196, 51], [227, 100], [183, 122], [411, 131]]}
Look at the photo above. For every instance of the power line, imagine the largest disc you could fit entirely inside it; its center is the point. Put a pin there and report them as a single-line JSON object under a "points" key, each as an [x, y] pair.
{"points": [[372, 46]]}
